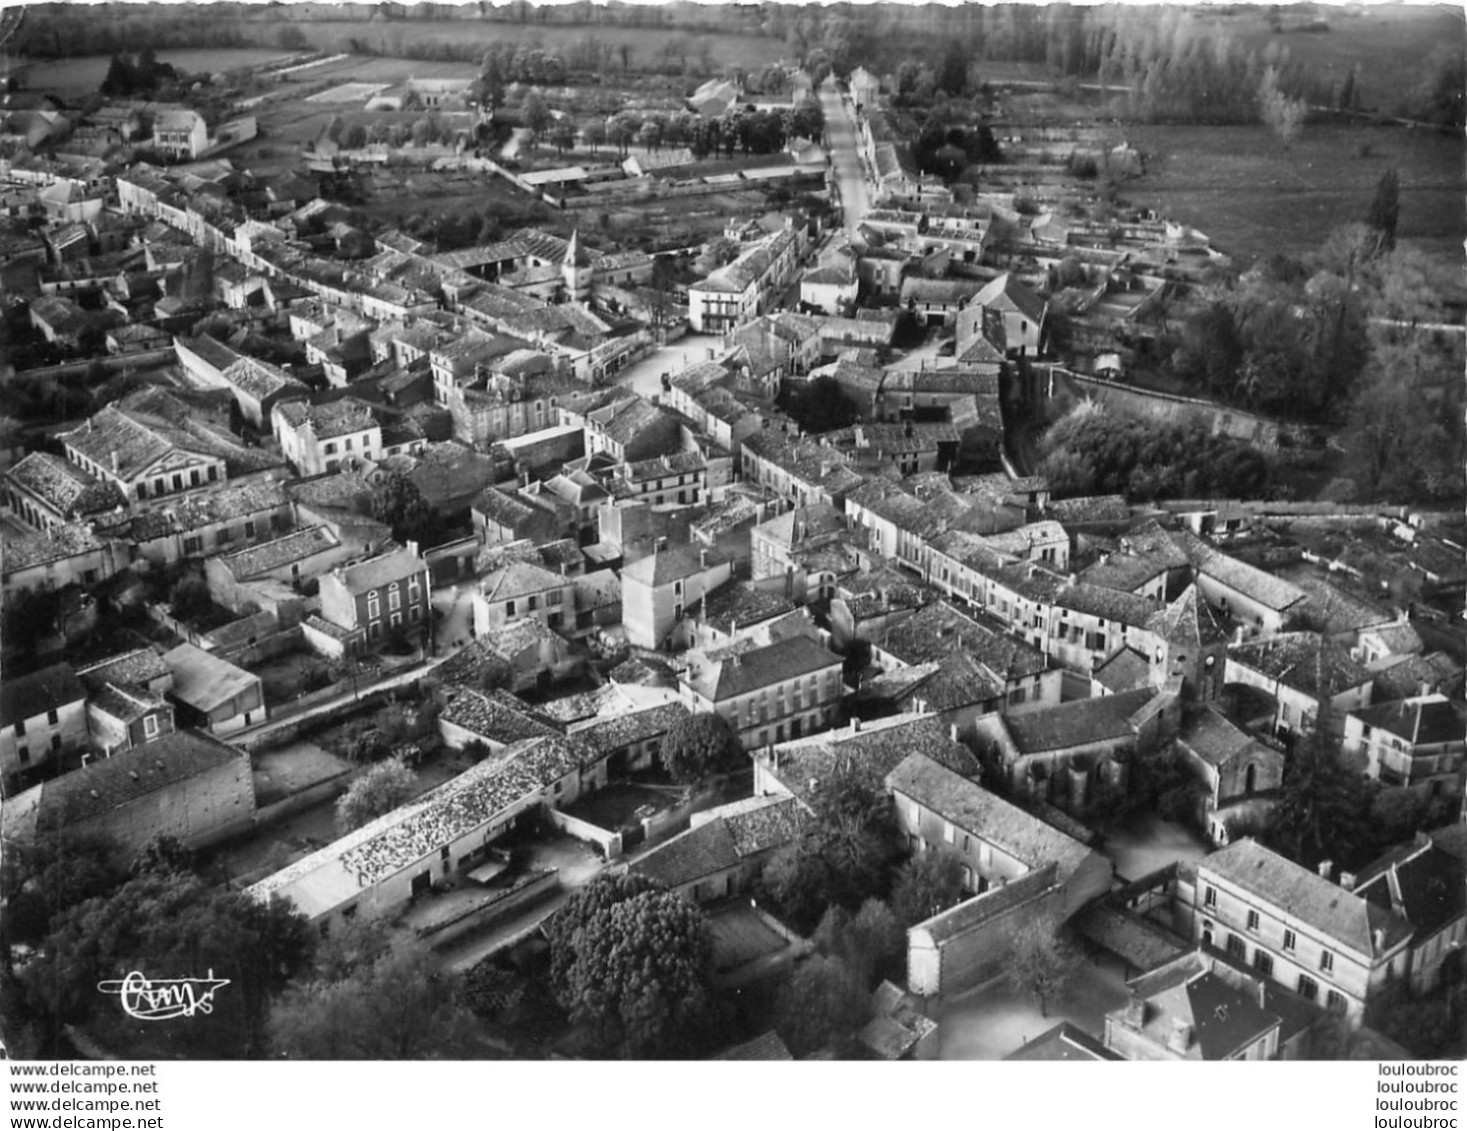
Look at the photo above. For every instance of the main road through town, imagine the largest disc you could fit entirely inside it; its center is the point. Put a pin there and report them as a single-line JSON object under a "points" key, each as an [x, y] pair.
{"points": [[845, 156]]}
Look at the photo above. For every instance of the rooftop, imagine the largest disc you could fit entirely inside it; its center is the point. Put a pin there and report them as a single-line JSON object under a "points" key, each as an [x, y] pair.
{"points": [[975, 810], [1345, 918]]}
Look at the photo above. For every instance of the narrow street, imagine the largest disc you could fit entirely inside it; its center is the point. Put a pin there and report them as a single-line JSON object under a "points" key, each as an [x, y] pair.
{"points": [[850, 178]]}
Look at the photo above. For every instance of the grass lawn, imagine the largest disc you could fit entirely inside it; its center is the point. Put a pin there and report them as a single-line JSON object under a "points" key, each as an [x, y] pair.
{"points": [[1240, 187]]}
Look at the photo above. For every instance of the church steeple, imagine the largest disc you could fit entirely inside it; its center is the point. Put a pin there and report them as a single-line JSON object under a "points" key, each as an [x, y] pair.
{"points": [[575, 269]]}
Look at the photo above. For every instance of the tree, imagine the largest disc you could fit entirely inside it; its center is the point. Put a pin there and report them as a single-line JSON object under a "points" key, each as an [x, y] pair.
{"points": [[1323, 810], [165, 856], [603, 892], [381, 789], [702, 744], [398, 1007], [1280, 113], [622, 128], [172, 926], [397, 502], [1041, 962], [1385, 209], [639, 977], [292, 38], [822, 1006], [60, 870], [926, 885], [864, 941], [189, 598], [355, 136], [594, 133], [536, 113], [563, 134], [30, 616], [844, 853], [822, 406]]}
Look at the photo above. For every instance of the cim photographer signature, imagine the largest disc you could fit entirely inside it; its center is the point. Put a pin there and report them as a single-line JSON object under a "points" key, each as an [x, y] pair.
{"points": [[163, 999]]}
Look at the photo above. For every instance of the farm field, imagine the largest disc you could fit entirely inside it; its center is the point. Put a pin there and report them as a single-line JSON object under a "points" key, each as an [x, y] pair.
{"points": [[375, 69], [1236, 184], [647, 43], [85, 73]]}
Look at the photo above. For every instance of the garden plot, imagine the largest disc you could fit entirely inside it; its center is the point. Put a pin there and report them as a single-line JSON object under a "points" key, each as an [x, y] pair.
{"points": [[350, 92]]}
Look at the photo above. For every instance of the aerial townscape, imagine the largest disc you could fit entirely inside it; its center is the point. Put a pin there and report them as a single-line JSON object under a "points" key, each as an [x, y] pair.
{"points": [[734, 532]]}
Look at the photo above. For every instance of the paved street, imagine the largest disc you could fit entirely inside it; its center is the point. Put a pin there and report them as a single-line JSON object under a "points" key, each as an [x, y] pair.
{"points": [[840, 130], [645, 377]]}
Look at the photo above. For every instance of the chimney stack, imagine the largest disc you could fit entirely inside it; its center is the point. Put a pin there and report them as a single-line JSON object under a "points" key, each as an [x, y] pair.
{"points": [[1135, 1012], [1347, 881], [1325, 868], [1180, 1037], [702, 559], [412, 547], [855, 726], [116, 462]]}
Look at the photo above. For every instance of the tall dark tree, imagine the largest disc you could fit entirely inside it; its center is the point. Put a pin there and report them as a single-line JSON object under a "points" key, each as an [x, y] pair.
{"points": [[925, 886], [603, 892], [172, 926], [701, 744], [640, 976], [397, 502], [1324, 806], [821, 1007], [1042, 962], [1385, 209], [398, 1007]]}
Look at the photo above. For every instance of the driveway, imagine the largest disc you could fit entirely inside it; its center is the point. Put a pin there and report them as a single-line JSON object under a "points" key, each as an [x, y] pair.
{"points": [[850, 178]]}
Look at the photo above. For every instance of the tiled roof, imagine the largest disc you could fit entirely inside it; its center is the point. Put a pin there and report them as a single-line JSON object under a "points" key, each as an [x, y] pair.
{"points": [[49, 689], [767, 1046], [111, 783], [934, 631], [461, 805], [970, 807], [621, 731], [498, 716], [1007, 293], [676, 564], [742, 604], [394, 565], [1189, 620], [1108, 604], [1076, 723], [1344, 917], [70, 540], [64, 487], [1062, 1043], [263, 557], [972, 913], [787, 659], [957, 681], [1336, 610], [1421, 723], [1272, 592], [1303, 661], [135, 445], [1214, 739], [518, 578], [1424, 883], [702, 850], [334, 418], [137, 668], [1224, 1018], [260, 379], [1090, 508], [877, 747]]}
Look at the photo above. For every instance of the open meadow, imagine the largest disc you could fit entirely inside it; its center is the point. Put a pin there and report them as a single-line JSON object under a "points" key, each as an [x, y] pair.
{"points": [[1239, 185], [84, 74]]}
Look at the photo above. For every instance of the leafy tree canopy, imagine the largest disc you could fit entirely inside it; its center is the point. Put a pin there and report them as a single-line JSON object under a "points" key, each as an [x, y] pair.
{"points": [[380, 790], [822, 1006], [702, 744]]}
